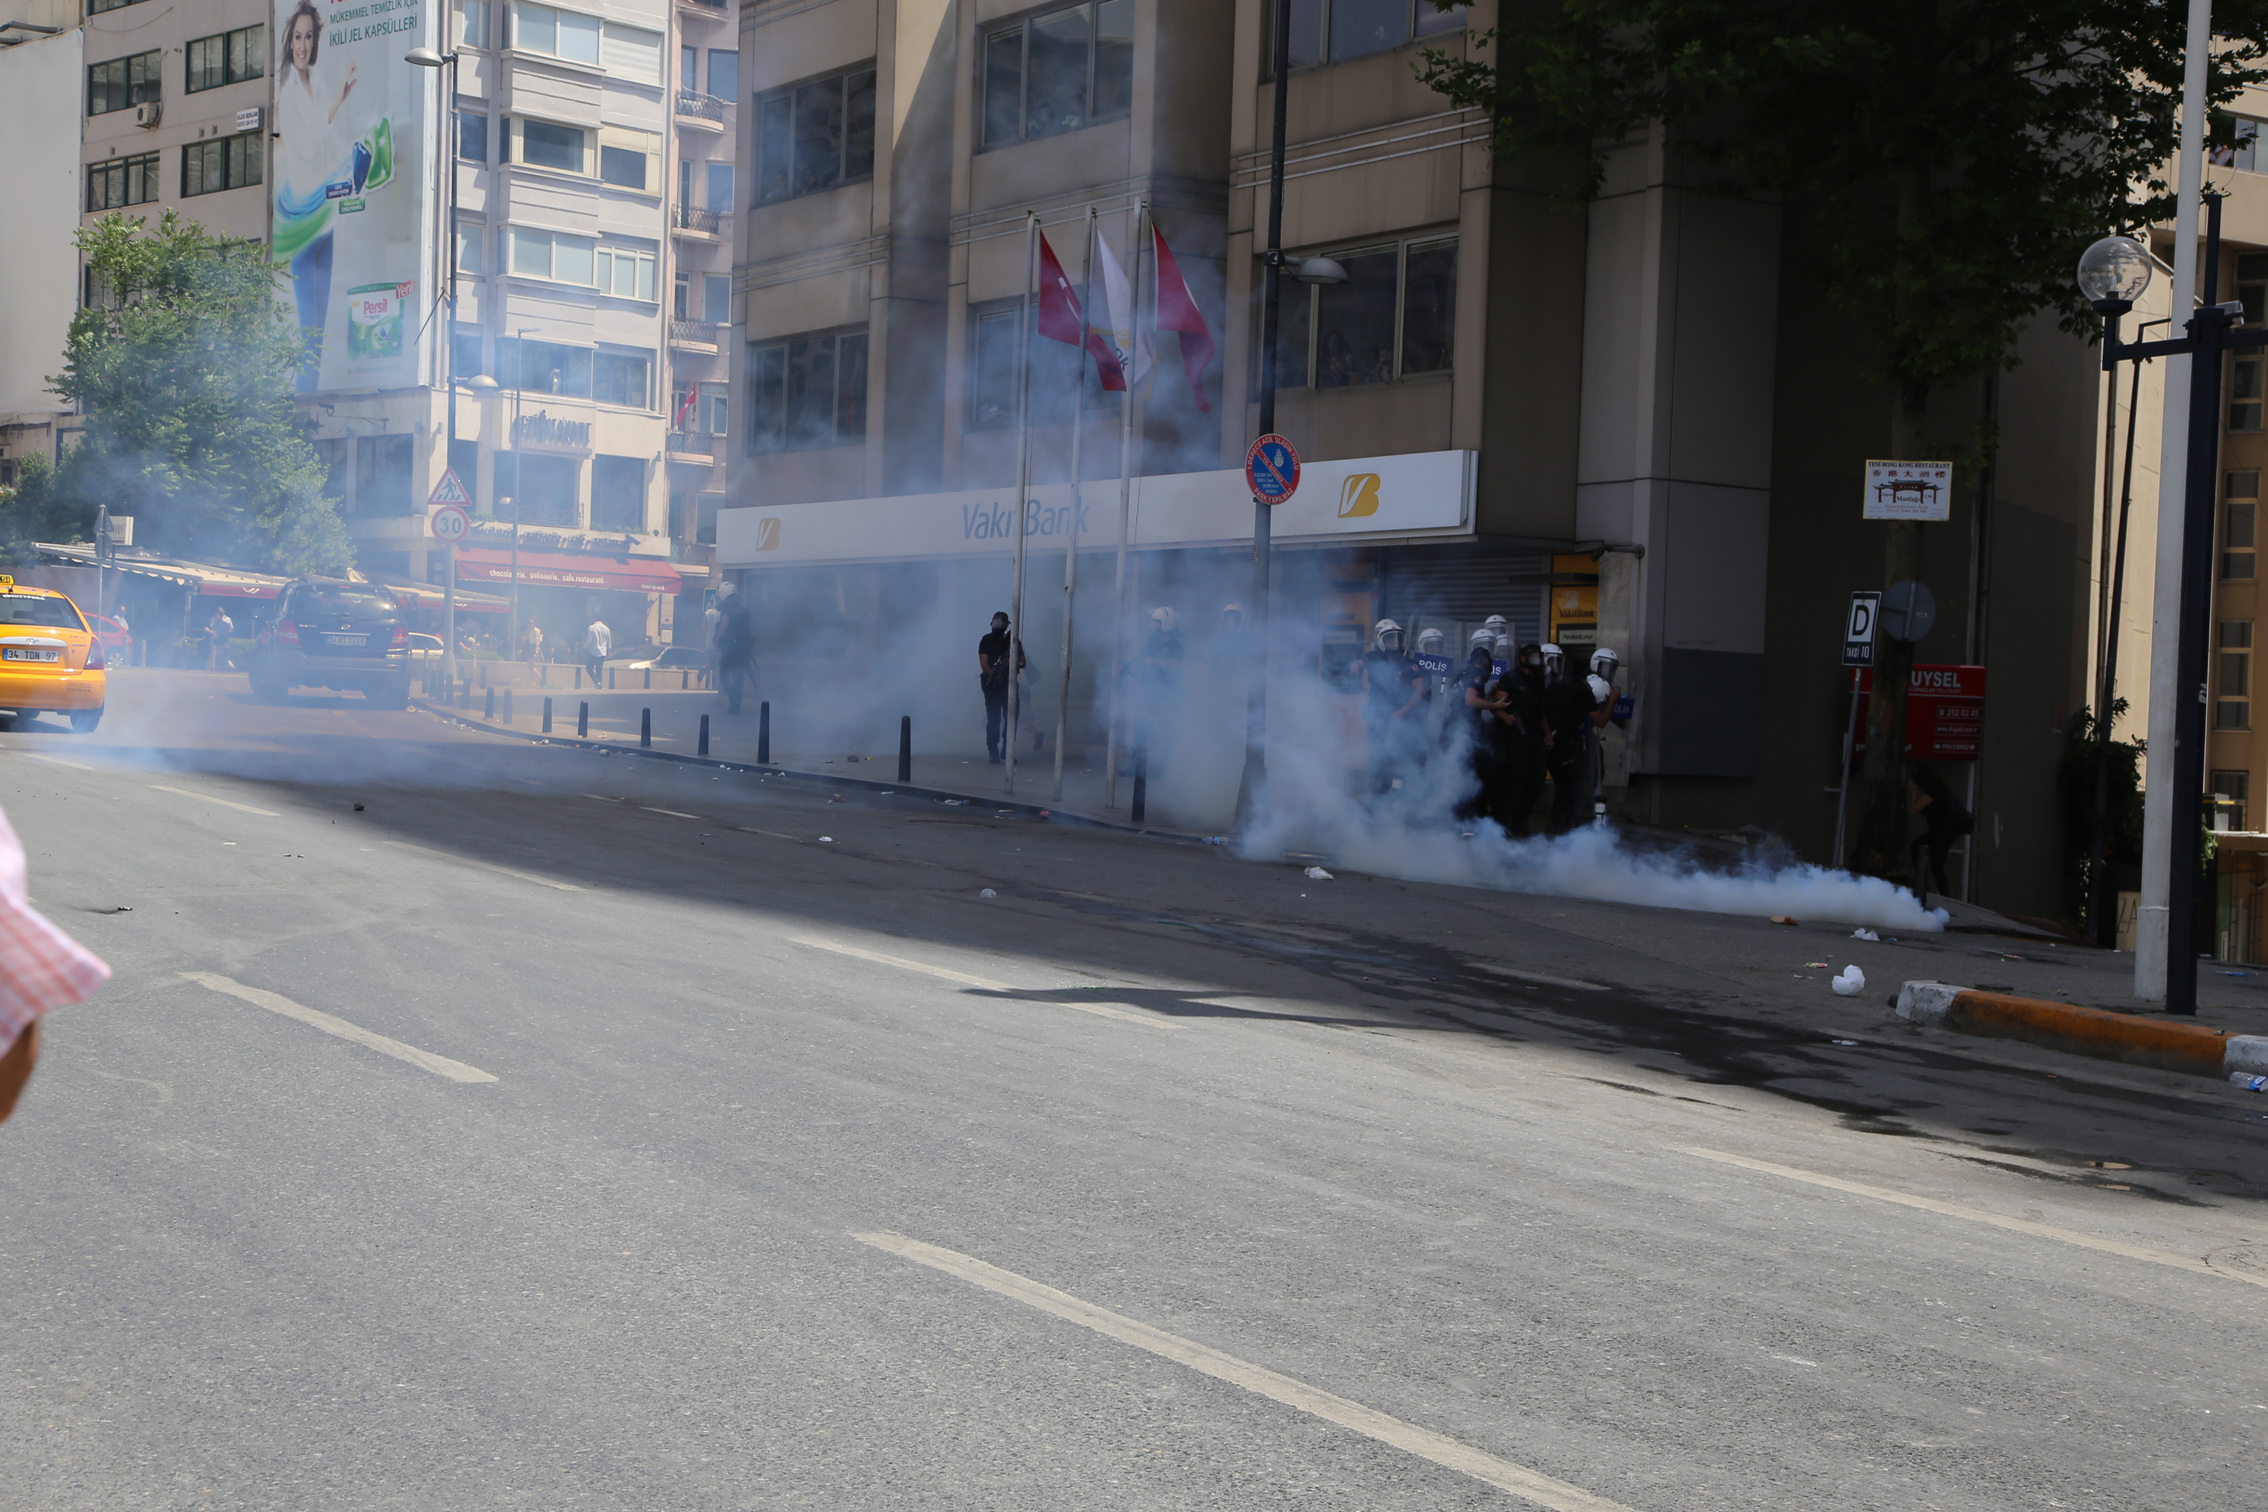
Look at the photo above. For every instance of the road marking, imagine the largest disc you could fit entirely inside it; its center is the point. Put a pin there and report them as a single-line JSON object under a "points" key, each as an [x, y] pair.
{"points": [[1540, 978], [1973, 1214], [159, 787], [424, 1060], [984, 984], [674, 814], [54, 761], [1532, 1485], [485, 866]]}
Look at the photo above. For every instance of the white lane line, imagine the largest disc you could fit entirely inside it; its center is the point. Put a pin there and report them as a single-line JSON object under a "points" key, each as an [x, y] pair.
{"points": [[260, 997], [674, 814], [1974, 1215], [1532, 1485], [986, 984], [1540, 978], [159, 787], [505, 871], [54, 761]]}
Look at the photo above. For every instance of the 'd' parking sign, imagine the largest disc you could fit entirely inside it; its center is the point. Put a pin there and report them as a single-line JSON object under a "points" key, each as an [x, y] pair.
{"points": [[1858, 630]]}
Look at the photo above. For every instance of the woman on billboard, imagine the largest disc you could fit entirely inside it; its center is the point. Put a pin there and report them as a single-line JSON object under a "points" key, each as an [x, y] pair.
{"points": [[320, 163]]}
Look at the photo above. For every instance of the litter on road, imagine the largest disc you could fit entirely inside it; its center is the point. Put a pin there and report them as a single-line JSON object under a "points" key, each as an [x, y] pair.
{"points": [[1851, 981], [1316, 874]]}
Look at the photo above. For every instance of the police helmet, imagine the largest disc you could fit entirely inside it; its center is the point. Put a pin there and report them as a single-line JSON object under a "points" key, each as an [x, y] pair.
{"points": [[1431, 640], [1383, 629], [1164, 617], [1554, 661], [1603, 663], [1496, 624]]}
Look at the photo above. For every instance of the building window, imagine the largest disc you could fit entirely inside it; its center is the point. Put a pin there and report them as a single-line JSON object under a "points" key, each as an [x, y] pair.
{"points": [[630, 159], [555, 33], [230, 58], [1058, 70], [121, 83], [2237, 525], [231, 162], [1394, 317], [626, 273], [1056, 369], [464, 354], [633, 53], [716, 399], [2229, 791], [618, 493], [716, 298], [2232, 702], [472, 240], [472, 137], [1335, 30], [2239, 153], [123, 181], [382, 475], [806, 393], [2244, 393], [724, 73], [814, 137], [543, 367], [473, 23], [623, 378], [545, 144], [97, 7], [555, 255], [719, 185], [2252, 286]]}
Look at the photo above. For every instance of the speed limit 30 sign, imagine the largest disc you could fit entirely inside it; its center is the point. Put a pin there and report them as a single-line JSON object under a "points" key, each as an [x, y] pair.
{"points": [[451, 524]]}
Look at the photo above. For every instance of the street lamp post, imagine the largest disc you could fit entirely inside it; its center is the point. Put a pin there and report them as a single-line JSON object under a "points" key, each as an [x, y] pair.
{"points": [[2112, 274], [1313, 270], [445, 107]]}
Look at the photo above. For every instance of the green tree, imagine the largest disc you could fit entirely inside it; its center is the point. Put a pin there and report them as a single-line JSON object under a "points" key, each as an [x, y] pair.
{"points": [[183, 366], [1952, 159]]}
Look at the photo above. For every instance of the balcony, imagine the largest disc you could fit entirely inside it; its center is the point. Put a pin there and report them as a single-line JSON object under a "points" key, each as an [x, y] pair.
{"points": [[694, 446], [699, 220], [702, 109], [700, 333], [718, 8]]}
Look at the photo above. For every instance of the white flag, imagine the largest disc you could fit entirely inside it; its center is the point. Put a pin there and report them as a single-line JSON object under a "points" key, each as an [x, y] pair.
{"points": [[1130, 343]]}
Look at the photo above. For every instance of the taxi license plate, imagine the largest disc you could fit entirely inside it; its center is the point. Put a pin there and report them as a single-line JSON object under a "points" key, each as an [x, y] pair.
{"points": [[29, 653], [348, 640]]}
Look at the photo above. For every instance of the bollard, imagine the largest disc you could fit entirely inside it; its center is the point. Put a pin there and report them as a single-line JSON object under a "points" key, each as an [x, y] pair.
{"points": [[905, 748], [488, 703], [764, 734], [610, 679], [483, 670], [578, 677], [646, 728], [583, 720], [547, 716], [543, 674], [1141, 782], [704, 736], [507, 705], [649, 677], [464, 692], [684, 678]]}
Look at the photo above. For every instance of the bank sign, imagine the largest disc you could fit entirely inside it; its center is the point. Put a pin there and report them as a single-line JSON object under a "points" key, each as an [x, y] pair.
{"points": [[1414, 495]]}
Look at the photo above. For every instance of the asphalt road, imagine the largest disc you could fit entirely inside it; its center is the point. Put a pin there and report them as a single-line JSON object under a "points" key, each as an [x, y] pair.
{"points": [[473, 1124]]}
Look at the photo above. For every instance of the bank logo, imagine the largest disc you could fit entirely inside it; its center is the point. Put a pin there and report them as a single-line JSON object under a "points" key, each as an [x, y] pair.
{"points": [[768, 533], [1358, 496]]}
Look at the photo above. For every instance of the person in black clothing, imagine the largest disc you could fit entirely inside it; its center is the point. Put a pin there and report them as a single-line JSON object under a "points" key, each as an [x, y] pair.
{"points": [[1529, 733], [1484, 701], [1944, 821], [992, 677], [735, 649], [1569, 705]]}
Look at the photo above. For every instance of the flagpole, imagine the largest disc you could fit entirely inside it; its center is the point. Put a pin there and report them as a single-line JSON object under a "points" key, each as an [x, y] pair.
{"points": [[1071, 535], [1025, 333], [1125, 510]]}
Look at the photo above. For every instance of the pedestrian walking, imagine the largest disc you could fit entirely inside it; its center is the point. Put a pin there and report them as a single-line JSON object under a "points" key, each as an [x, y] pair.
{"points": [[219, 631], [1156, 676], [598, 645], [531, 642], [41, 968], [735, 648], [1944, 821], [992, 679]]}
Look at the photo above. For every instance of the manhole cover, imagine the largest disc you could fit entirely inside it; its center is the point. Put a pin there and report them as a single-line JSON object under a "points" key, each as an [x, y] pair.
{"points": [[2241, 1259]]}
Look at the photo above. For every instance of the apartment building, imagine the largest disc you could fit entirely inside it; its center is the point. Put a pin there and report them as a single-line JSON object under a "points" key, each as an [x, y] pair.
{"points": [[701, 227], [42, 55]]}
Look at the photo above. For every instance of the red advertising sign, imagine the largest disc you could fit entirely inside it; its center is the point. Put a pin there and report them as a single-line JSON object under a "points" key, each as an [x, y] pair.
{"points": [[1944, 712]]}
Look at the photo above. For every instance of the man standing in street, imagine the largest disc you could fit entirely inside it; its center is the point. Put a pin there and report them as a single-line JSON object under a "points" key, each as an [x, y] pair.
{"points": [[1569, 707], [219, 631], [598, 645], [992, 678], [1395, 691], [734, 649]]}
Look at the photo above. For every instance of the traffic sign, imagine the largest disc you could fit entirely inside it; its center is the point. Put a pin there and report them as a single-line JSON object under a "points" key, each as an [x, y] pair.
{"points": [[450, 490], [451, 524], [1858, 630], [1271, 469], [1908, 611]]}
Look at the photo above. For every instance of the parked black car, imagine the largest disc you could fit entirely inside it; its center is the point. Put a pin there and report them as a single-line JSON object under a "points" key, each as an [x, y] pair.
{"points": [[333, 634]]}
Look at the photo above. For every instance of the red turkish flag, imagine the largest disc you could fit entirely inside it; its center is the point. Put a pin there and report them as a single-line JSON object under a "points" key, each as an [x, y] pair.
{"points": [[1062, 318], [1177, 311]]}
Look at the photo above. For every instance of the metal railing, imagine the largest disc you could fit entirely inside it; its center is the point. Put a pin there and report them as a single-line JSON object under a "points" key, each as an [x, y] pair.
{"points": [[701, 218], [700, 331], [702, 107], [699, 443]]}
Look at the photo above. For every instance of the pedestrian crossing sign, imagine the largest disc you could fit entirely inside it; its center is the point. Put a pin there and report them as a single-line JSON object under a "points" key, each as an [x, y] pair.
{"points": [[448, 491]]}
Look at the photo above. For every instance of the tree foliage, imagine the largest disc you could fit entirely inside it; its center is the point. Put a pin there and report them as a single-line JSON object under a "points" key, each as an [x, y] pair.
{"points": [[183, 367], [2122, 824], [1954, 157]]}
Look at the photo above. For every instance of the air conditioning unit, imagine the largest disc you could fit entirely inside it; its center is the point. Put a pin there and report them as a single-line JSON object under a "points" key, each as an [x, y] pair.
{"points": [[149, 114]]}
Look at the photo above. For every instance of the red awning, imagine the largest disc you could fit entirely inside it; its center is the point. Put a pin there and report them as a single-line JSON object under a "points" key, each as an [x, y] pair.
{"points": [[480, 564]]}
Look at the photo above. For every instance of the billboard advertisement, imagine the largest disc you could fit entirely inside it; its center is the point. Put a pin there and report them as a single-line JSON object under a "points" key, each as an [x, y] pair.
{"points": [[353, 190]]}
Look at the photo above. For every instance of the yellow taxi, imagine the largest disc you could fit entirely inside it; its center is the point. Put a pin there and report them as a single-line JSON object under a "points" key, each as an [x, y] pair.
{"points": [[50, 662]]}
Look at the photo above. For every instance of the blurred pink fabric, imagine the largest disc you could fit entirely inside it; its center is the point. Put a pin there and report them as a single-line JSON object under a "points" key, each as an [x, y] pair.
{"points": [[41, 967]]}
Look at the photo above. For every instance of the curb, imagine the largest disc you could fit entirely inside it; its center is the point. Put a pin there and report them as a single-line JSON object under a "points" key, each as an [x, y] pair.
{"points": [[2158, 1043], [869, 784]]}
